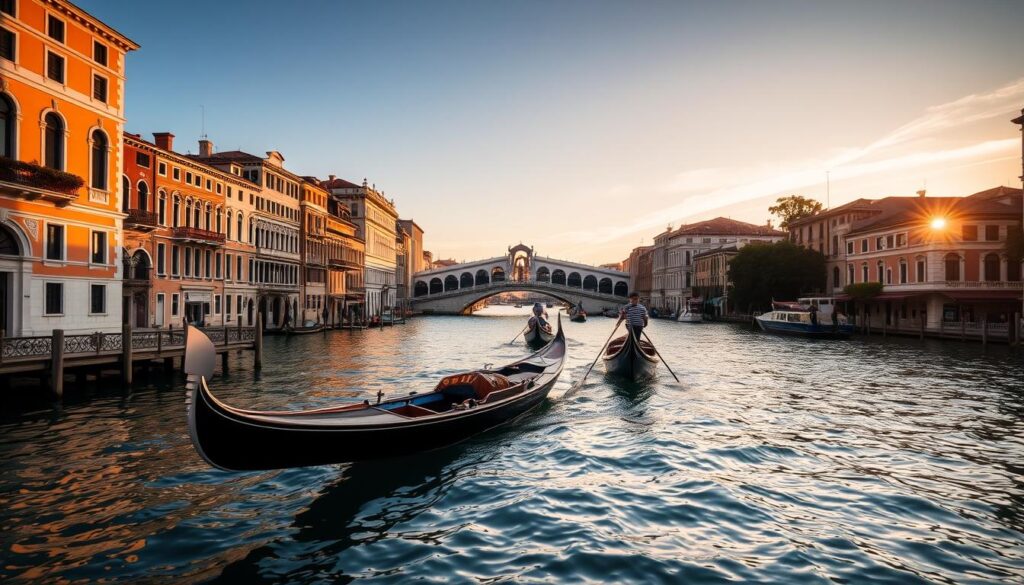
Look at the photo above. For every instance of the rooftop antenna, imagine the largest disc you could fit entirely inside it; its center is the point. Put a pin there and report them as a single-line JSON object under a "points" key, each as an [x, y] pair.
{"points": [[828, 190], [202, 132]]}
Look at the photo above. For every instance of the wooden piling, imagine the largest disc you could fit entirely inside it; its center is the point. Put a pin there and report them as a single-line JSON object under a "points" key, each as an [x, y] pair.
{"points": [[258, 342], [984, 331], [963, 328], [921, 336], [57, 363], [126, 354], [1016, 329], [224, 361]]}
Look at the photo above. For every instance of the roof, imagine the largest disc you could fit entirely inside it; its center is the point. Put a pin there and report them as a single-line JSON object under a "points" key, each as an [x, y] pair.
{"points": [[229, 155], [893, 211], [723, 226], [855, 205], [732, 248], [339, 184]]}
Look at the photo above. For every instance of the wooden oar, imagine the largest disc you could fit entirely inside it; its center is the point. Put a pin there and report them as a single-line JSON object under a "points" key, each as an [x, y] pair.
{"points": [[520, 333], [659, 355], [599, 354]]}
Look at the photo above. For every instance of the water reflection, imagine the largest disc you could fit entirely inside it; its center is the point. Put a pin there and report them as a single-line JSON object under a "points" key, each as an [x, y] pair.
{"points": [[773, 460]]}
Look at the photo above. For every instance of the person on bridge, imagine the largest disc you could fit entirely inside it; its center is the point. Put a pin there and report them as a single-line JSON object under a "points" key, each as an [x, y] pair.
{"points": [[635, 315]]}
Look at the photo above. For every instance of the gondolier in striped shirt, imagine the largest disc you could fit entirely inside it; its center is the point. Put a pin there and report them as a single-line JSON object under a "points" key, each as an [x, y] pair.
{"points": [[635, 315]]}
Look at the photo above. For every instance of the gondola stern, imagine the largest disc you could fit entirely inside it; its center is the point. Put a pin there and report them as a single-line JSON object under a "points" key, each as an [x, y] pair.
{"points": [[200, 399]]}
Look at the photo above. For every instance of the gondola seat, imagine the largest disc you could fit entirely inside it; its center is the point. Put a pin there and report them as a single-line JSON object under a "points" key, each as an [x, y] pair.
{"points": [[477, 385]]}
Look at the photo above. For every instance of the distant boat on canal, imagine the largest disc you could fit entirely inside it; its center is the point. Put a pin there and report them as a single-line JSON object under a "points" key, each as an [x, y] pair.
{"points": [[808, 317], [691, 311]]}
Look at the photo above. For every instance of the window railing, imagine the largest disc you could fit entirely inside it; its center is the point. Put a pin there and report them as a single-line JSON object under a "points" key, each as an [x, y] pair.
{"points": [[64, 185], [191, 233], [142, 217]]}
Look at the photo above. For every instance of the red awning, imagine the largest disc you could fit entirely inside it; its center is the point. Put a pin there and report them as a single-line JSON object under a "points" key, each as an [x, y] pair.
{"points": [[983, 295]]}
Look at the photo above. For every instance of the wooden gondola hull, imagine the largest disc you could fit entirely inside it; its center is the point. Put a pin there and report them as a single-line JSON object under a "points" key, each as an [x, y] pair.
{"points": [[537, 337], [231, 443], [245, 440], [630, 361]]}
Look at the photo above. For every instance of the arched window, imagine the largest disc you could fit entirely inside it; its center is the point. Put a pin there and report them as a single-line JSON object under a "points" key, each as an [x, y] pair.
{"points": [[206, 217], [230, 218], [482, 277], [436, 286], [543, 274], [590, 282], [498, 274], [161, 208], [864, 272], [126, 193], [421, 289], [849, 274], [466, 280], [952, 267], [880, 271], [53, 141], [605, 286], [176, 211], [8, 119], [143, 196], [8, 243], [239, 227], [558, 277], [835, 277], [992, 267], [188, 212], [220, 220], [621, 289], [451, 283], [903, 271], [574, 281], [99, 160]]}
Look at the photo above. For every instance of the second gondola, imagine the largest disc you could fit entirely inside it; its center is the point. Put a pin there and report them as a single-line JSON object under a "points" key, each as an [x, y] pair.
{"points": [[629, 357]]}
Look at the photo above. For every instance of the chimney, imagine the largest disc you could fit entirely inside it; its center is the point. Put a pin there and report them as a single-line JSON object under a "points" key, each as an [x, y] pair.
{"points": [[921, 193], [164, 140], [331, 177], [205, 148]]}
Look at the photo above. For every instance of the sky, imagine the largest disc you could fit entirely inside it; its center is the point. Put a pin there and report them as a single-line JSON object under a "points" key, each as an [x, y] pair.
{"points": [[584, 128]]}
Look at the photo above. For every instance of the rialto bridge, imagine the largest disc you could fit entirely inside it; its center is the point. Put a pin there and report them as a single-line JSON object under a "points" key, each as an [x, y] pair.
{"points": [[455, 289]]}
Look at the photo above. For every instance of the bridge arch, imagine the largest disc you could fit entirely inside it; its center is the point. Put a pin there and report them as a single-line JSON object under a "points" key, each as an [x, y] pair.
{"points": [[543, 274], [421, 289], [590, 282], [605, 286], [621, 289], [466, 280], [567, 296], [574, 280], [451, 282], [482, 277], [558, 277], [497, 274], [436, 286]]}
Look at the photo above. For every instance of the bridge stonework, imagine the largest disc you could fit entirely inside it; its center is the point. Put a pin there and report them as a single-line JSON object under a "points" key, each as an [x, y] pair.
{"points": [[453, 290]]}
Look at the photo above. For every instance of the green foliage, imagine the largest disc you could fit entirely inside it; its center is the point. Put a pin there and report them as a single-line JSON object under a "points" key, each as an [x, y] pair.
{"points": [[33, 175], [794, 207], [863, 291], [781, 271]]}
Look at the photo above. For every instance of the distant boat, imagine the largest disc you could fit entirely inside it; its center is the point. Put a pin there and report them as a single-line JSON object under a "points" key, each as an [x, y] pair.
{"points": [[611, 313], [577, 315], [539, 335], [797, 319], [519, 305], [691, 311], [550, 305]]}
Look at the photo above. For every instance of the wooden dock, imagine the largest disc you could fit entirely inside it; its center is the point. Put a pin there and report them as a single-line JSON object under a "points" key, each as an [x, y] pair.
{"points": [[51, 356]]}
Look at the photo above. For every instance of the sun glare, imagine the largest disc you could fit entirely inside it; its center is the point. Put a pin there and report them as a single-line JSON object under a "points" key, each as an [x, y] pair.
{"points": [[938, 223]]}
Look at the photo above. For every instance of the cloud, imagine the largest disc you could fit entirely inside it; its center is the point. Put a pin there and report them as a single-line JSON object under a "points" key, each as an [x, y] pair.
{"points": [[711, 188]]}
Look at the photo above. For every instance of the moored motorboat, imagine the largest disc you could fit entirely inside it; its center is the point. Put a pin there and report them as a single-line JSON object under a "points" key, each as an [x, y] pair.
{"points": [[691, 311], [460, 406], [803, 320], [630, 357]]}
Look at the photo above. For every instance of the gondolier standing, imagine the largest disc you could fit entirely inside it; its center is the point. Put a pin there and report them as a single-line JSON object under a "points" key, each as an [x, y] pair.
{"points": [[635, 315]]}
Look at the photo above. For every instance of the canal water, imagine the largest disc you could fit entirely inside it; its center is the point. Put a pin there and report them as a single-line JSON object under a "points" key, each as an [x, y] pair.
{"points": [[775, 460]]}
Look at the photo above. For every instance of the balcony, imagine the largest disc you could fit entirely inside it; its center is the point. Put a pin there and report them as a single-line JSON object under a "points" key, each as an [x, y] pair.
{"points": [[344, 264], [141, 219], [190, 234], [35, 182]]}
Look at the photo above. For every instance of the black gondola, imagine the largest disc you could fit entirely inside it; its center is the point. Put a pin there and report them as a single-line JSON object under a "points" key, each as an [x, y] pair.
{"points": [[577, 315], [630, 358], [460, 406], [537, 336]]}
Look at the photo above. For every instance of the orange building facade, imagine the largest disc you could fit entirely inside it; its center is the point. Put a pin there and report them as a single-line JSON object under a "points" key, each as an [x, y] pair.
{"points": [[62, 75], [942, 261], [188, 244]]}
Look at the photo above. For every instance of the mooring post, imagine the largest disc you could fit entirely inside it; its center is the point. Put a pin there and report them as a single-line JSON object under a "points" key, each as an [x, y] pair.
{"points": [[963, 327], [258, 342], [867, 321], [126, 353], [984, 330], [922, 326], [57, 363], [1016, 329], [224, 361]]}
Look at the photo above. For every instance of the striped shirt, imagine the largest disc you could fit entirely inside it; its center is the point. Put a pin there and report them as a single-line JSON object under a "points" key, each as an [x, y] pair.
{"points": [[635, 315]]}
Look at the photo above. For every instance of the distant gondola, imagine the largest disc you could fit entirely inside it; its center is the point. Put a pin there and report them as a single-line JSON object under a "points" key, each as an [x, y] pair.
{"points": [[538, 336], [461, 406], [577, 315], [630, 358]]}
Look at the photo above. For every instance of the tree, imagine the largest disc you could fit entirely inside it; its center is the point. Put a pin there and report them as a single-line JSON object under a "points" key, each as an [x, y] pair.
{"points": [[783, 271], [794, 207], [863, 291]]}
